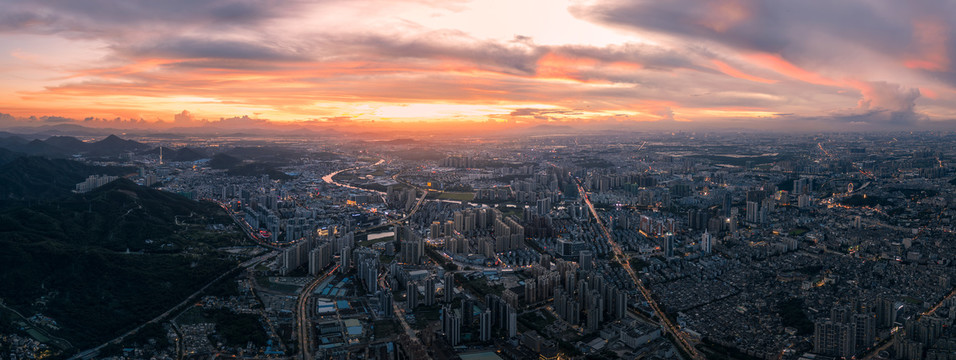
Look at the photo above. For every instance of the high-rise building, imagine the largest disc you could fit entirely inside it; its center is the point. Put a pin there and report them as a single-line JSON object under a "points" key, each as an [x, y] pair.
{"points": [[706, 243], [411, 295], [451, 325], [512, 321], [449, 286], [834, 338], [412, 250], [467, 311], [530, 291], [429, 285], [485, 326], [753, 212], [726, 204], [865, 324], [586, 259], [669, 246], [385, 299]]}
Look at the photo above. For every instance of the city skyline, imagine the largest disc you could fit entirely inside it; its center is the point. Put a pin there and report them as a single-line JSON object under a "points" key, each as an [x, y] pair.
{"points": [[815, 65]]}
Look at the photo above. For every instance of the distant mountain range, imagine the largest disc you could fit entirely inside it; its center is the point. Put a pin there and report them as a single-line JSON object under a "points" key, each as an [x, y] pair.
{"points": [[63, 146]]}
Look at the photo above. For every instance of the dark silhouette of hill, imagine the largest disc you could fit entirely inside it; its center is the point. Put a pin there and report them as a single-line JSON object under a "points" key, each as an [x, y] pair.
{"points": [[402, 141], [41, 148], [38, 178], [68, 143], [7, 156], [12, 142], [189, 154], [114, 146], [74, 252], [224, 161], [237, 167], [31, 147]]}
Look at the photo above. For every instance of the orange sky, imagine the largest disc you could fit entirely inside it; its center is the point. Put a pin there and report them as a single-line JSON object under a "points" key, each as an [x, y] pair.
{"points": [[856, 63]]}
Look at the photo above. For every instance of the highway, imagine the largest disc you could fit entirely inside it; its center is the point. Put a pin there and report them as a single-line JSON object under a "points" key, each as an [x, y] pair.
{"points": [[625, 262], [302, 315], [873, 353], [88, 354]]}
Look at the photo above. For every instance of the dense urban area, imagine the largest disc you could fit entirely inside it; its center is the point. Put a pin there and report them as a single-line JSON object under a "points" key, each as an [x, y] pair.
{"points": [[540, 246]]}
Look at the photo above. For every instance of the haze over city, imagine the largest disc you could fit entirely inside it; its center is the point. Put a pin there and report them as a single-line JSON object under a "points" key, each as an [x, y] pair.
{"points": [[809, 65]]}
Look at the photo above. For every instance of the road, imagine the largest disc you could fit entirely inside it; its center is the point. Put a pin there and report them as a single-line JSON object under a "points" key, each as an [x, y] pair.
{"points": [[302, 310], [328, 178], [119, 339], [302, 315], [625, 262], [873, 353]]}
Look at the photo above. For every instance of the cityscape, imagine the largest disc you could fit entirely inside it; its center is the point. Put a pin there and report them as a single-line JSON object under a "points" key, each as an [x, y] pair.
{"points": [[478, 180], [657, 245]]}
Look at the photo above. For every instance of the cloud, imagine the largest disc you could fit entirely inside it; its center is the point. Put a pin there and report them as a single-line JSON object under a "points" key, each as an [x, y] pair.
{"points": [[667, 114], [707, 60], [888, 103], [55, 119], [240, 122], [838, 36]]}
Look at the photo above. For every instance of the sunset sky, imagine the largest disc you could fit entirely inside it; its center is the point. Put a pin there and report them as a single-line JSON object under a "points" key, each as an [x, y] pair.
{"points": [[854, 64]]}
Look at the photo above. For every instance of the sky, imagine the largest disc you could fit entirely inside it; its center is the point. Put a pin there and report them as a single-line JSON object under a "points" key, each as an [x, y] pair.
{"points": [[836, 65]]}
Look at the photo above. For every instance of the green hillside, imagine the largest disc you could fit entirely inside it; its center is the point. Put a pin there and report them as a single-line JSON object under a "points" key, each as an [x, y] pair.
{"points": [[106, 261]]}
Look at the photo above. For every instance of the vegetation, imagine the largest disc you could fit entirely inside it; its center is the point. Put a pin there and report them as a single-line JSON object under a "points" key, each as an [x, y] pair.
{"points": [[237, 329], [798, 231], [37, 178], [864, 200], [102, 262], [792, 315], [638, 264], [258, 169], [151, 331], [224, 161]]}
